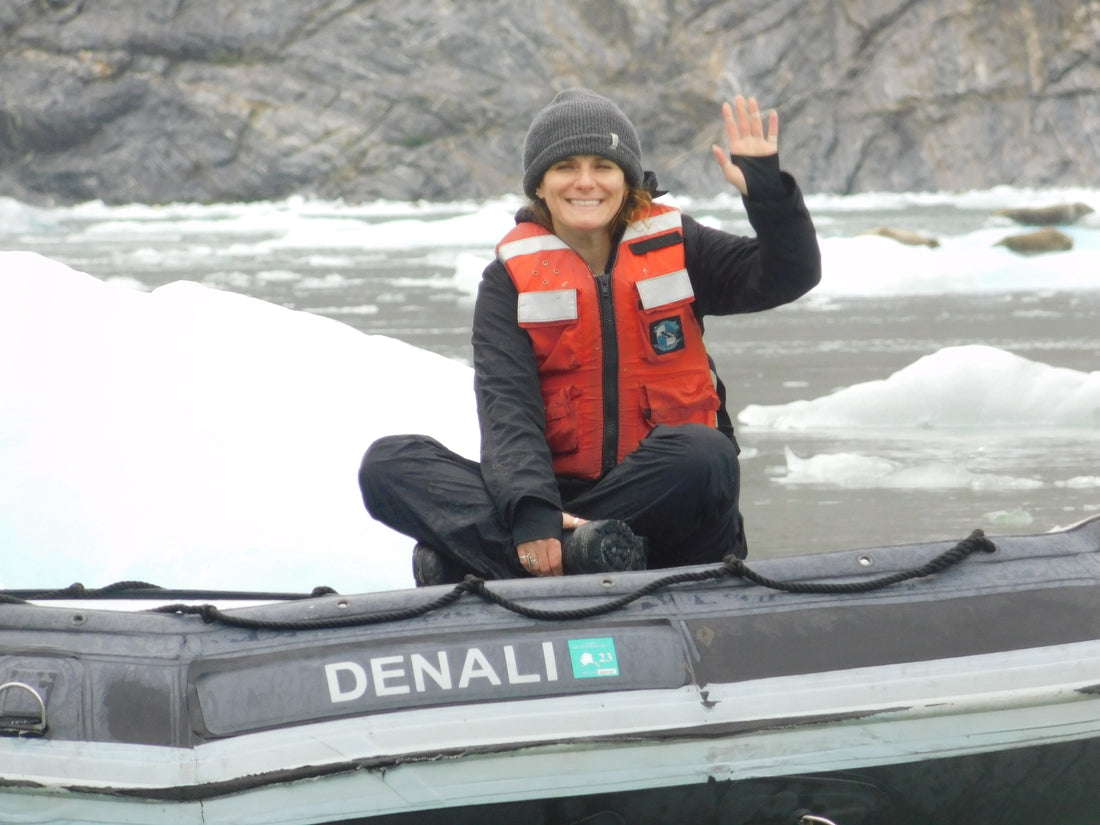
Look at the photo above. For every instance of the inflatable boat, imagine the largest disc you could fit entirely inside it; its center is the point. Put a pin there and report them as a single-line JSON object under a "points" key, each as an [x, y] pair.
{"points": [[940, 682]]}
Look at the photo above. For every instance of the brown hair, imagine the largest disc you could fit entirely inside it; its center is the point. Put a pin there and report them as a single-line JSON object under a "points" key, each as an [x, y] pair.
{"points": [[635, 207]]}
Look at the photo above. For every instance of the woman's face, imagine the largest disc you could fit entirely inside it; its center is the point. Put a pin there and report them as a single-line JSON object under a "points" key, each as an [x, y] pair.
{"points": [[583, 193]]}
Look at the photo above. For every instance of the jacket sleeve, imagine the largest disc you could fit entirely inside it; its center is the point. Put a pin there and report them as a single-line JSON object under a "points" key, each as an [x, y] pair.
{"points": [[515, 459], [733, 274]]}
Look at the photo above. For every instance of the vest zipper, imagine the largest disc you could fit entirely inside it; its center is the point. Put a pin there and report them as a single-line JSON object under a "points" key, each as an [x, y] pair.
{"points": [[610, 379]]}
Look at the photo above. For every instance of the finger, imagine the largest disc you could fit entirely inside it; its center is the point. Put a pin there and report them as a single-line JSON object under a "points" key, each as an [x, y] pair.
{"points": [[756, 124], [731, 125], [555, 559], [773, 126], [530, 554], [742, 108], [536, 553], [729, 169]]}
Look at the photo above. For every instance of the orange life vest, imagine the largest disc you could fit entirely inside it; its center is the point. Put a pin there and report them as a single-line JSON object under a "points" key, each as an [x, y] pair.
{"points": [[618, 353]]}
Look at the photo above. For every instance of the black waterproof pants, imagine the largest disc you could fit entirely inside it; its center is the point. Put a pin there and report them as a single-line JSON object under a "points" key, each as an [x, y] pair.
{"points": [[679, 489]]}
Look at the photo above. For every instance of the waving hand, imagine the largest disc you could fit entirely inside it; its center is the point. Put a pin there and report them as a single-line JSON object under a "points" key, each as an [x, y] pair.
{"points": [[747, 137]]}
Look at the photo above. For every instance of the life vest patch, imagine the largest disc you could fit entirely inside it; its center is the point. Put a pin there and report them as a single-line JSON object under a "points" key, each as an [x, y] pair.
{"points": [[667, 335]]}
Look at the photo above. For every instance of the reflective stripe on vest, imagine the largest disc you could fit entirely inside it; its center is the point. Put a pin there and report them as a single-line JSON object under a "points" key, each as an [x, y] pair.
{"points": [[542, 307], [665, 289]]}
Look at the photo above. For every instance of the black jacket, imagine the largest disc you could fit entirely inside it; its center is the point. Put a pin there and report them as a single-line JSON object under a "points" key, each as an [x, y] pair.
{"points": [[729, 274]]}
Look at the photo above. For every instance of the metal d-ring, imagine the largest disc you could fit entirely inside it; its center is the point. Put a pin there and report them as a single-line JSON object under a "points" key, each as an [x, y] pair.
{"points": [[810, 819], [23, 726]]}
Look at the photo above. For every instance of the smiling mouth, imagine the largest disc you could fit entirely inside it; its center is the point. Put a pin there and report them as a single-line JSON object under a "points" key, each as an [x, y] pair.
{"points": [[585, 203]]}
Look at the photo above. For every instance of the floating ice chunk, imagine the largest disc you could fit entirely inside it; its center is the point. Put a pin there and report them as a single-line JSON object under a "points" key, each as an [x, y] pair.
{"points": [[856, 471], [971, 386], [198, 438]]}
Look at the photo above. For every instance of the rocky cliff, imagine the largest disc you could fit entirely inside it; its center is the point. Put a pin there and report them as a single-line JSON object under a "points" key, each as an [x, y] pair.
{"points": [[209, 100]]}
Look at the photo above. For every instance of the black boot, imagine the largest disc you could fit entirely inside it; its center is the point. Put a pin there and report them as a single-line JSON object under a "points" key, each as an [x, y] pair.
{"points": [[603, 547], [432, 567]]}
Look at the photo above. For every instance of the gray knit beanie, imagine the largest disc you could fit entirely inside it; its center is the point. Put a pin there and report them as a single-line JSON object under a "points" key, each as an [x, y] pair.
{"points": [[580, 122]]}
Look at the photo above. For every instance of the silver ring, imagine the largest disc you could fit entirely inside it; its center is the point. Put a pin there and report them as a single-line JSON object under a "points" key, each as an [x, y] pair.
{"points": [[527, 560]]}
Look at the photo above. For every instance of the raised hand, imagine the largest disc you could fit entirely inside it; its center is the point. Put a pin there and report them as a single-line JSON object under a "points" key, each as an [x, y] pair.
{"points": [[747, 137]]}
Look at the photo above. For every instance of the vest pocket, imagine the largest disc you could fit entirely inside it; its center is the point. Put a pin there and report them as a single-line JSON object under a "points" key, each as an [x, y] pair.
{"points": [[686, 399], [555, 346], [561, 420]]}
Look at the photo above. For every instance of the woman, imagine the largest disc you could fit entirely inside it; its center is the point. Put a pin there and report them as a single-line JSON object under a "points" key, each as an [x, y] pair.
{"points": [[602, 419]]}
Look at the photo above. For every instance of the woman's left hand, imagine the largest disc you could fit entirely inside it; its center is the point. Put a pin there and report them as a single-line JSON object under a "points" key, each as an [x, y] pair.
{"points": [[747, 137], [540, 557]]}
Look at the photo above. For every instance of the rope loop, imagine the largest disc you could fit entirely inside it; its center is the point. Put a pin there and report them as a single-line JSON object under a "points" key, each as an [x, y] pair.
{"points": [[973, 543]]}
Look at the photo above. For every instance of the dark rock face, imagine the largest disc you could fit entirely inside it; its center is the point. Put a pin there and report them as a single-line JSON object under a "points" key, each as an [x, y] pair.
{"points": [[215, 100]]}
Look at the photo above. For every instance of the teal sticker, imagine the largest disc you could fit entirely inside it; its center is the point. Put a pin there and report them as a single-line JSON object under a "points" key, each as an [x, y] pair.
{"points": [[593, 657]]}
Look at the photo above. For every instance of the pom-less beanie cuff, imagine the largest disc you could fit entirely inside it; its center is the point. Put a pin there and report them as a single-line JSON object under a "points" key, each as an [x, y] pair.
{"points": [[580, 122]]}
